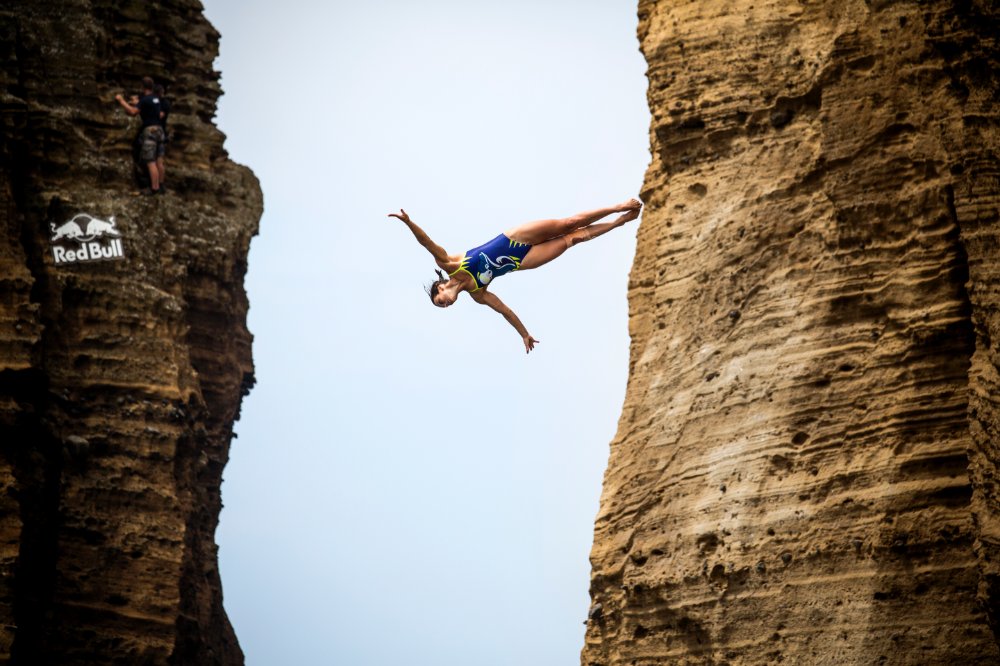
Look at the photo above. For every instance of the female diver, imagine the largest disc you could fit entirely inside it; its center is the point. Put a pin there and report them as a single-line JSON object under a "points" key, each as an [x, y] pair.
{"points": [[522, 248]]}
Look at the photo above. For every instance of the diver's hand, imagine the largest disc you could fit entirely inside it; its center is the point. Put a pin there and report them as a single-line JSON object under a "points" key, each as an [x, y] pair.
{"points": [[401, 215], [529, 343]]}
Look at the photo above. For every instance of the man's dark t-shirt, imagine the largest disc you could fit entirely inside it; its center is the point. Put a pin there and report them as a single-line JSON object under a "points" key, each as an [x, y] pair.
{"points": [[149, 110], [165, 107]]}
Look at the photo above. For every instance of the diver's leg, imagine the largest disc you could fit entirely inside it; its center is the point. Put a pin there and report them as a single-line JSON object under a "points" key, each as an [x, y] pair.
{"points": [[540, 231], [545, 252]]}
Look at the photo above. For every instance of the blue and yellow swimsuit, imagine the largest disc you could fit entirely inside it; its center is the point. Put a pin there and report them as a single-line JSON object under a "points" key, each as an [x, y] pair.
{"points": [[498, 257]]}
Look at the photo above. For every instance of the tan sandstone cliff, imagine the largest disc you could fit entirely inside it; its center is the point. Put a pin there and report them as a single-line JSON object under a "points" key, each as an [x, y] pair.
{"points": [[119, 379], [805, 469]]}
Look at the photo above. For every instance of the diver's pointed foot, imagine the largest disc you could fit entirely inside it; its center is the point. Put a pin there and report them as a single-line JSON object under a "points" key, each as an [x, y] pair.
{"points": [[628, 216], [631, 204]]}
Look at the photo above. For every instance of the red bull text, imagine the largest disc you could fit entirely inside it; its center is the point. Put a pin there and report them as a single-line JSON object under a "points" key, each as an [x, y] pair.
{"points": [[92, 251]]}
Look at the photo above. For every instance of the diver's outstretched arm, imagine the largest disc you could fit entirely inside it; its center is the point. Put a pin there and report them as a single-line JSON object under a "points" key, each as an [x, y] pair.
{"points": [[436, 250], [490, 299]]}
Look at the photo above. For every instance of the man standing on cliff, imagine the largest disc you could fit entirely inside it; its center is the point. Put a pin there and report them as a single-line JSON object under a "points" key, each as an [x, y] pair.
{"points": [[148, 109]]}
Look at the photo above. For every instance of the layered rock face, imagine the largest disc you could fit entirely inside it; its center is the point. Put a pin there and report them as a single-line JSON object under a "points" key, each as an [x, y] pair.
{"points": [[120, 379], [805, 469]]}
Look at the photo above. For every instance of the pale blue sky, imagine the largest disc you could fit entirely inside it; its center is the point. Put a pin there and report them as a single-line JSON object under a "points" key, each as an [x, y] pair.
{"points": [[409, 487]]}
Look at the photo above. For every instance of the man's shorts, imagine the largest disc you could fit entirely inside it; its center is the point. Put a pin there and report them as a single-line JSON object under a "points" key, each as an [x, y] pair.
{"points": [[152, 143]]}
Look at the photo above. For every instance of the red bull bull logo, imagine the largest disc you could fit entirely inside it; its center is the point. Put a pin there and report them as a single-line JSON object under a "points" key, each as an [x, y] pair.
{"points": [[93, 239]]}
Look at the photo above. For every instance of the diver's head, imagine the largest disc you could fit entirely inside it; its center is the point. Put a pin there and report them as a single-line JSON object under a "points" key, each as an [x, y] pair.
{"points": [[439, 296]]}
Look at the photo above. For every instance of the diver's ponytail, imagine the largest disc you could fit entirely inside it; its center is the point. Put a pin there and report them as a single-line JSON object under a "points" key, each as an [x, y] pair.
{"points": [[433, 289]]}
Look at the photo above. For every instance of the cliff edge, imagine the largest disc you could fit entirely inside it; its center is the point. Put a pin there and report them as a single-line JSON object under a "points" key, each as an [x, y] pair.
{"points": [[805, 468], [124, 352]]}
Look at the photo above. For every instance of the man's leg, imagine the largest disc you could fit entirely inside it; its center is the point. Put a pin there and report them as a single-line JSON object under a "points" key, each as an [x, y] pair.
{"points": [[161, 154], [148, 155], [154, 175]]}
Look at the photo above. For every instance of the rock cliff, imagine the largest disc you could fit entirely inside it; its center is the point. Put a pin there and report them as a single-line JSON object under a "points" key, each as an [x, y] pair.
{"points": [[805, 468], [119, 379]]}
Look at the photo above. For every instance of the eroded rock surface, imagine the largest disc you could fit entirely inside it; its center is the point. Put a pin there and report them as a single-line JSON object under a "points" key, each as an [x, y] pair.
{"points": [[119, 380], [805, 469]]}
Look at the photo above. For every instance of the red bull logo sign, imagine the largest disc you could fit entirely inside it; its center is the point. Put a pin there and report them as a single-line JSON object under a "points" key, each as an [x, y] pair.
{"points": [[86, 238]]}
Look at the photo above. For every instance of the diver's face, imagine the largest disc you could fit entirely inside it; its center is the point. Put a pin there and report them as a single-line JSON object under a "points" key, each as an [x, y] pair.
{"points": [[442, 299]]}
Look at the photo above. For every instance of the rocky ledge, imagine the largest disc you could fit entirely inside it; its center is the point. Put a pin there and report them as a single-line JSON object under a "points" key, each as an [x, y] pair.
{"points": [[120, 379], [805, 469]]}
